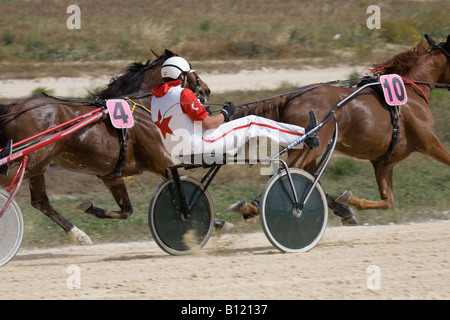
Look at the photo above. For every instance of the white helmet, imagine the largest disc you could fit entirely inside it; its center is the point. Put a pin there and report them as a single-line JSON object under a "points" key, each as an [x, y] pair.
{"points": [[173, 67]]}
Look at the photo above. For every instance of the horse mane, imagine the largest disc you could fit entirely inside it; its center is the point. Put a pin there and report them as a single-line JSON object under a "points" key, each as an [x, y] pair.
{"points": [[401, 63], [128, 82]]}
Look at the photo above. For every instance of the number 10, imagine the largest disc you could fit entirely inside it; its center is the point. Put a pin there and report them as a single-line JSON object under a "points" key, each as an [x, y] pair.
{"points": [[394, 89]]}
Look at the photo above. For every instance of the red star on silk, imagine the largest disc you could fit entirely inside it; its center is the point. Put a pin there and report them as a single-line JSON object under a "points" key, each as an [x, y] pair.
{"points": [[163, 124]]}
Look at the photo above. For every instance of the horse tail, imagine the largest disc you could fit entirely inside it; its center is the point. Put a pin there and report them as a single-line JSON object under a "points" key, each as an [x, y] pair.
{"points": [[3, 120], [2, 109], [2, 126]]}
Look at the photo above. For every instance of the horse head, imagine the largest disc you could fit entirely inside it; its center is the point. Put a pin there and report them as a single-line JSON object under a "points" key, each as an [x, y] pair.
{"points": [[194, 83], [442, 51], [141, 78]]}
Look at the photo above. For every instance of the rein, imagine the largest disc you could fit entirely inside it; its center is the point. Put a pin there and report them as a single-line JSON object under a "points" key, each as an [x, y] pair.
{"points": [[350, 82], [436, 84], [417, 87], [300, 90], [197, 86]]}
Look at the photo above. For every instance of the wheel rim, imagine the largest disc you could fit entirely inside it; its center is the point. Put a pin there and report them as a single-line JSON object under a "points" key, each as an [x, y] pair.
{"points": [[11, 229], [287, 230], [176, 235]]}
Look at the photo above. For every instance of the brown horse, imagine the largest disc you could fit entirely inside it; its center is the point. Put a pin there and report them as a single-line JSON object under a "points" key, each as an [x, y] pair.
{"points": [[96, 149], [365, 124]]}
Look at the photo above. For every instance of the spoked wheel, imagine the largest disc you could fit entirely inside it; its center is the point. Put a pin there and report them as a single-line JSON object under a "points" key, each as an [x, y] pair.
{"points": [[11, 229], [287, 228], [174, 234]]}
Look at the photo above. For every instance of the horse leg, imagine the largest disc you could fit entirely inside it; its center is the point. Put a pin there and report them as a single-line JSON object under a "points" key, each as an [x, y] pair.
{"points": [[40, 201], [383, 175], [434, 148], [384, 178], [346, 213], [118, 189], [250, 210]]}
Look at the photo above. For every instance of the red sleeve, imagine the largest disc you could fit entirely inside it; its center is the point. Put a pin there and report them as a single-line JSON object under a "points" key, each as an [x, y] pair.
{"points": [[191, 106]]}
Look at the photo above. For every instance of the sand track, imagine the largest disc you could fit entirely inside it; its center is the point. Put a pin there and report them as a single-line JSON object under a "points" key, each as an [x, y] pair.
{"points": [[366, 262]]}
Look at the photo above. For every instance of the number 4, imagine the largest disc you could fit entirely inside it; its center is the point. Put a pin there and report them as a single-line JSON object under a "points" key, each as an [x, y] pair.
{"points": [[119, 113]]}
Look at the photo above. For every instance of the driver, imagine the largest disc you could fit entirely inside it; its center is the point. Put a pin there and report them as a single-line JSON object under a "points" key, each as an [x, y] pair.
{"points": [[187, 128]]}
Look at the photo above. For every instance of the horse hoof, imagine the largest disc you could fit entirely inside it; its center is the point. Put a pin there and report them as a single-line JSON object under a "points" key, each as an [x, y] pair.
{"points": [[238, 207], [222, 226], [84, 207], [349, 221], [247, 210], [249, 219], [79, 237], [344, 197]]}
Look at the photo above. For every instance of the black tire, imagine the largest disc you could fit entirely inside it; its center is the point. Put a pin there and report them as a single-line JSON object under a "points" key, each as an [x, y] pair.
{"points": [[287, 230], [173, 234], [11, 229]]}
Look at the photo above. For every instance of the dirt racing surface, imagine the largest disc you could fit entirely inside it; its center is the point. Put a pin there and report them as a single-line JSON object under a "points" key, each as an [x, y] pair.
{"points": [[365, 262]]}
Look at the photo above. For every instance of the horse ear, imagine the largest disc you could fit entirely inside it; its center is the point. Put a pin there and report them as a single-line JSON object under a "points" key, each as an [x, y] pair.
{"points": [[422, 47], [155, 53], [169, 53], [430, 41], [447, 44]]}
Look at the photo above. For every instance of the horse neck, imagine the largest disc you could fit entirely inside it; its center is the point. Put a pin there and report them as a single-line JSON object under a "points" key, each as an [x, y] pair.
{"points": [[140, 107], [268, 109], [151, 78], [144, 131], [429, 69], [132, 84]]}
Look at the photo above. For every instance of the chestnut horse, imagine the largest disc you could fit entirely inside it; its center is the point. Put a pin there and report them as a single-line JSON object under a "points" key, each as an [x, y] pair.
{"points": [[365, 124], [96, 149]]}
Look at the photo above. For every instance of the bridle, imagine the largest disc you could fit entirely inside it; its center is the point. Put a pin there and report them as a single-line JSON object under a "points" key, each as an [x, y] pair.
{"points": [[439, 45], [197, 85]]}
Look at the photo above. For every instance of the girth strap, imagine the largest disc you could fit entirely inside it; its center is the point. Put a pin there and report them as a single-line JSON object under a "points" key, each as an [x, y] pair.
{"points": [[123, 140], [395, 116]]}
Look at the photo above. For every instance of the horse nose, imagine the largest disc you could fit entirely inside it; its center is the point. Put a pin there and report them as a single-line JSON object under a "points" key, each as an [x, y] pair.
{"points": [[204, 94]]}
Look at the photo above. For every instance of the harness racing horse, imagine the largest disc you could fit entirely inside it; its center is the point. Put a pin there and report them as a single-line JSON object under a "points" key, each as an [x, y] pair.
{"points": [[365, 124], [98, 148]]}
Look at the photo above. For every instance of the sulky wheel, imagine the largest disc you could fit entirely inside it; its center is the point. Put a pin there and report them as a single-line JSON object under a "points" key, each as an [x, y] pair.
{"points": [[174, 234], [287, 228], [11, 229]]}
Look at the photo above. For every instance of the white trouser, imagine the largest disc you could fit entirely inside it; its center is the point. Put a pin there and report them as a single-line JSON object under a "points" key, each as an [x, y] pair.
{"points": [[230, 136]]}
